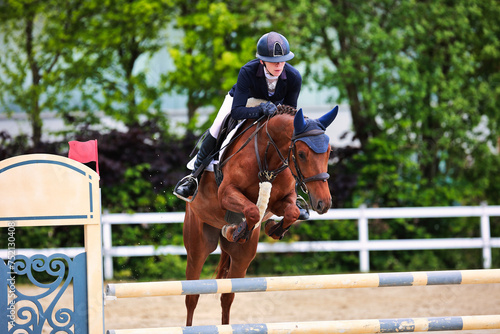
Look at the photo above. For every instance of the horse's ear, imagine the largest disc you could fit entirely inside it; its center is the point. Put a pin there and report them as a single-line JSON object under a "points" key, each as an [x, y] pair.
{"points": [[299, 123], [329, 117]]}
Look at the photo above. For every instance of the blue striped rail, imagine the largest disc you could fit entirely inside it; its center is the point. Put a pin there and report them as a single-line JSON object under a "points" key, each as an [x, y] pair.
{"points": [[314, 282], [404, 325]]}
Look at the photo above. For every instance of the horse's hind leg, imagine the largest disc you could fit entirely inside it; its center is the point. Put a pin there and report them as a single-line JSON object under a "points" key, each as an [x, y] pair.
{"points": [[241, 257], [200, 240]]}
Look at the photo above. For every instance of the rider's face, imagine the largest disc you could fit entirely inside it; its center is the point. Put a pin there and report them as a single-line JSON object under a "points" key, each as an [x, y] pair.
{"points": [[274, 69]]}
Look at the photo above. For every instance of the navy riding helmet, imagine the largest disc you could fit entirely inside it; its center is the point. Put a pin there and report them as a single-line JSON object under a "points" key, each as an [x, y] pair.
{"points": [[274, 48]]}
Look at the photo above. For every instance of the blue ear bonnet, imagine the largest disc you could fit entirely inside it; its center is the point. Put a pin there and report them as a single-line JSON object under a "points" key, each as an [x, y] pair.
{"points": [[312, 131], [317, 143]]}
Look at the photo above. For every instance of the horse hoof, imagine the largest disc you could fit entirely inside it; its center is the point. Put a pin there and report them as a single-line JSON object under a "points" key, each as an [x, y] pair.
{"points": [[227, 232], [271, 227], [275, 230], [241, 234], [236, 233]]}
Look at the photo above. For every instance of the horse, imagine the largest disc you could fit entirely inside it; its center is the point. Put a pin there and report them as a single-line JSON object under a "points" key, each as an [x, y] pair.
{"points": [[275, 154]]}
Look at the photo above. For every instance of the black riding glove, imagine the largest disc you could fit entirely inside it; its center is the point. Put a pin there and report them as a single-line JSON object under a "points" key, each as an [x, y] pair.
{"points": [[267, 108]]}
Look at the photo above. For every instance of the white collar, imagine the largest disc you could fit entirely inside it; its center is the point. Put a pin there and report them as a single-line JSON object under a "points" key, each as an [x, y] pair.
{"points": [[269, 76]]}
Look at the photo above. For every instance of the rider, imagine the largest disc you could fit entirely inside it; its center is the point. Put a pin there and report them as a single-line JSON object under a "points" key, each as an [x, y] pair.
{"points": [[270, 78]]}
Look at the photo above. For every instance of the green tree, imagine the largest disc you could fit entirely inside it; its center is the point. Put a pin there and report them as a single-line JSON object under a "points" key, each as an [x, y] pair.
{"points": [[421, 78], [39, 38], [218, 37], [453, 48], [205, 63], [123, 34]]}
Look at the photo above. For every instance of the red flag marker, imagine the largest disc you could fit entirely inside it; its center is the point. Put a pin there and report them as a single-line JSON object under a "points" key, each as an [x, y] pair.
{"points": [[84, 152]]}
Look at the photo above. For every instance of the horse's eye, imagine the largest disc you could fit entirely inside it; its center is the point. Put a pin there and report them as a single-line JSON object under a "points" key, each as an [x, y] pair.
{"points": [[302, 156]]}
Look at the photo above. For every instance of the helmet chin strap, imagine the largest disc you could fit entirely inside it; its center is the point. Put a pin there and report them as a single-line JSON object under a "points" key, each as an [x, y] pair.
{"points": [[265, 66], [269, 72]]}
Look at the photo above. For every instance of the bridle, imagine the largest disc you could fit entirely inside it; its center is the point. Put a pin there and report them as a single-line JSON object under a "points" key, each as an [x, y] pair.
{"points": [[299, 178], [267, 175]]}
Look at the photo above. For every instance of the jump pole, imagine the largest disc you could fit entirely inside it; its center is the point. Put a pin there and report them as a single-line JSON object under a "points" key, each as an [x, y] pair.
{"points": [[313, 282], [402, 325]]}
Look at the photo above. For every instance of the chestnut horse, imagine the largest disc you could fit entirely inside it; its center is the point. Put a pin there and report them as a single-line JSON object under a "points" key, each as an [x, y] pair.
{"points": [[280, 151]]}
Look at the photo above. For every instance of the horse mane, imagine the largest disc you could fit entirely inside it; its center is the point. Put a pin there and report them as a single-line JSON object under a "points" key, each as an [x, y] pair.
{"points": [[282, 109], [285, 110]]}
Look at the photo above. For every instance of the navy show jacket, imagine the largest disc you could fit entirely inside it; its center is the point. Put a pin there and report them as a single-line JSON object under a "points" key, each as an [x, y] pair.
{"points": [[252, 83]]}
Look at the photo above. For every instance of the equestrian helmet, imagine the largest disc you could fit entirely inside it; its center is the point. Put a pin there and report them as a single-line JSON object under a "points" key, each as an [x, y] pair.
{"points": [[274, 48]]}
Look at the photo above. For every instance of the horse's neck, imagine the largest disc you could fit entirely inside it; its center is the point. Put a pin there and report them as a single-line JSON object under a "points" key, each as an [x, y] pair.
{"points": [[280, 129]]}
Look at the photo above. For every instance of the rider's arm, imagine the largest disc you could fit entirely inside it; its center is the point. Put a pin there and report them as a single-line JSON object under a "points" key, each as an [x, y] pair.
{"points": [[241, 93]]}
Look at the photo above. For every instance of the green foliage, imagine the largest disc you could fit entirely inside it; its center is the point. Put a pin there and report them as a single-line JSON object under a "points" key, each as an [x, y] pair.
{"points": [[322, 230], [208, 56], [134, 193], [304, 264], [54, 50], [382, 167], [217, 38], [39, 38], [47, 237], [149, 268], [420, 86], [426, 260], [120, 35], [314, 262], [150, 234]]}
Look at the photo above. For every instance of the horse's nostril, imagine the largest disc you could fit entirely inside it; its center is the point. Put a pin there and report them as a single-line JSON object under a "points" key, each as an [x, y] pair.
{"points": [[323, 206]]}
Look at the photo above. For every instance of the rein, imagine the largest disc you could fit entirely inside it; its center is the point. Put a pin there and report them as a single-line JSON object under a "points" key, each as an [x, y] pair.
{"points": [[264, 173], [257, 129]]}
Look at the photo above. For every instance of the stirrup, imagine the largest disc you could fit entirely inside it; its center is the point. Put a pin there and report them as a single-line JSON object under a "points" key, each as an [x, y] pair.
{"points": [[186, 199], [302, 205]]}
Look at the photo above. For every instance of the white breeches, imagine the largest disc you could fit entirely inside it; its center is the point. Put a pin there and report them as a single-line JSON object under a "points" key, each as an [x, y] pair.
{"points": [[224, 110]]}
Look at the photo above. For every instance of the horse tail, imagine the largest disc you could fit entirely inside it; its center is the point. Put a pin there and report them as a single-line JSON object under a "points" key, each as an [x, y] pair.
{"points": [[223, 267]]}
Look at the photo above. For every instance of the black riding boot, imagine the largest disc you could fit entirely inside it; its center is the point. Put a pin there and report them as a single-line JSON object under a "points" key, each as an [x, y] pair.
{"points": [[188, 186]]}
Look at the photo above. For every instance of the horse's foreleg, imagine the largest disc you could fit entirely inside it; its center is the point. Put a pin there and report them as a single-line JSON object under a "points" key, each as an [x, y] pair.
{"points": [[291, 212], [233, 200]]}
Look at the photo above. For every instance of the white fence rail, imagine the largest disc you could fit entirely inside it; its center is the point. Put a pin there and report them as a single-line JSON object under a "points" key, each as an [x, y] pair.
{"points": [[363, 245]]}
